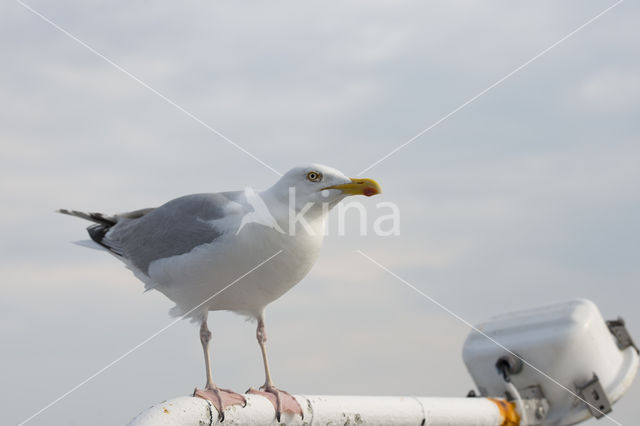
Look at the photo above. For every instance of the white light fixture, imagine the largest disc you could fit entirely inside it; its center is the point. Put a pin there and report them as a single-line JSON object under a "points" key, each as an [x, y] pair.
{"points": [[569, 342]]}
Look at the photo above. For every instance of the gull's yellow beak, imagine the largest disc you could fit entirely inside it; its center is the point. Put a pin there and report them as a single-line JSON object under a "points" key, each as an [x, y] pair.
{"points": [[366, 187]]}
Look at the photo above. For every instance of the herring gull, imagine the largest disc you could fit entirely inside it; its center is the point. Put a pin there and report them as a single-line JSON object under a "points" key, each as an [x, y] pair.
{"points": [[235, 251]]}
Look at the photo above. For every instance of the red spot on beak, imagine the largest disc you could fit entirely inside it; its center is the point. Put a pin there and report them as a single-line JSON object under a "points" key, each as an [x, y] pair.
{"points": [[369, 191]]}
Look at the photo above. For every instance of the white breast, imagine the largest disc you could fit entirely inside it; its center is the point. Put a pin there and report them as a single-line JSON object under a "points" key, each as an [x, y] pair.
{"points": [[196, 281]]}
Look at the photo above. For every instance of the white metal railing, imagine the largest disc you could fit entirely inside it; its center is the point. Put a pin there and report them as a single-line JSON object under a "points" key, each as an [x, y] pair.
{"points": [[337, 410]]}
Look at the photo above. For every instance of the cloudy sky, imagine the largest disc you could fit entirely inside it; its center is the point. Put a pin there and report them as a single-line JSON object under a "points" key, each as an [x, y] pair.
{"points": [[527, 196]]}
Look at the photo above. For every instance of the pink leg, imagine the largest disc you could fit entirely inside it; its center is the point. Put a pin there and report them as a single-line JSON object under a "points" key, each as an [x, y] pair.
{"points": [[220, 398], [282, 401]]}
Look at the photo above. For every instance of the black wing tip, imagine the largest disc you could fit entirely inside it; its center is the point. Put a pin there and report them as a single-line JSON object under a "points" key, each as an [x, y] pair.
{"points": [[97, 232]]}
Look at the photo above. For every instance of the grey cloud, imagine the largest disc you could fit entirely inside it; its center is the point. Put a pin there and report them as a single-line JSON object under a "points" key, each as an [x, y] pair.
{"points": [[525, 197]]}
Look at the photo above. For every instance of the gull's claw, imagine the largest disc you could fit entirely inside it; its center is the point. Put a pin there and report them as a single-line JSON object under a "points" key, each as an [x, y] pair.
{"points": [[221, 399], [282, 401]]}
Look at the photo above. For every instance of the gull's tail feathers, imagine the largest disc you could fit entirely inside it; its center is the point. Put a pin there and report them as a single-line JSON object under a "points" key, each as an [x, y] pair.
{"points": [[89, 244], [93, 217], [103, 223], [97, 231]]}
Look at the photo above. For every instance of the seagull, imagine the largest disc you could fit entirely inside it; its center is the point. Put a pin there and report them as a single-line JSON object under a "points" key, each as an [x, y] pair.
{"points": [[234, 251]]}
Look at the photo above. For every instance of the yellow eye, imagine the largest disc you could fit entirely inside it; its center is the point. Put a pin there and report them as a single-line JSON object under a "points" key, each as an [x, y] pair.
{"points": [[314, 176]]}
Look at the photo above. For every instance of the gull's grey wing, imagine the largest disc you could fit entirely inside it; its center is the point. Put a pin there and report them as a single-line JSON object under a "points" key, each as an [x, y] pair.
{"points": [[172, 229]]}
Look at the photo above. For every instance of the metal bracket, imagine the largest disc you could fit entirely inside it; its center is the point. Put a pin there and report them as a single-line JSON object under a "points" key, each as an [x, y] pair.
{"points": [[597, 401], [620, 332], [535, 404]]}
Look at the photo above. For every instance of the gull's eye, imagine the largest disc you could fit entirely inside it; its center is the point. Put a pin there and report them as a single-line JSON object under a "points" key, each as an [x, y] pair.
{"points": [[314, 176]]}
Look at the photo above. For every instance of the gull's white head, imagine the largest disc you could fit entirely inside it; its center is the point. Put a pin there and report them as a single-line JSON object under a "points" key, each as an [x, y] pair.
{"points": [[319, 184]]}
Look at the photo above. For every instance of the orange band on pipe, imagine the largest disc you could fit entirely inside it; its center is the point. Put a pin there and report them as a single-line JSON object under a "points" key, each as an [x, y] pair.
{"points": [[508, 411]]}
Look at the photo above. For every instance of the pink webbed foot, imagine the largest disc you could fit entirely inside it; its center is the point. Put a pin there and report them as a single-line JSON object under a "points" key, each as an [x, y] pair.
{"points": [[282, 401], [220, 398]]}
